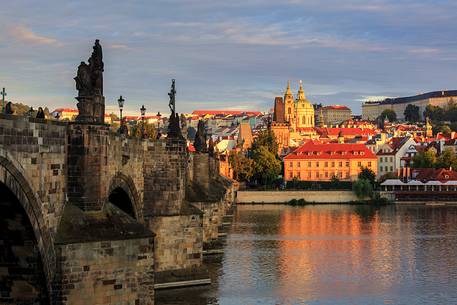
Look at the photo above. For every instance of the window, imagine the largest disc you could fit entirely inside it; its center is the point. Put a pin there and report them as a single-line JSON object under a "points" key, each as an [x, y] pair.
{"points": [[391, 169], [326, 164], [291, 164], [291, 175], [326, 174], [369, 163], [380, 159], [347, 163], [309, 174], [309, 164], [340, 164], [333, 164], [317, 175], [303, 120], [359, 164], [298, 175], [289, 111], [391, 159], [298, 164], [386, 168], [317, 164]]}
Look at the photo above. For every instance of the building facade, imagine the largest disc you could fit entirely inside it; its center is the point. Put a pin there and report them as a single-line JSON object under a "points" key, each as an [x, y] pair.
{"points": [[321, 162], [335, 114], [373, 109]]}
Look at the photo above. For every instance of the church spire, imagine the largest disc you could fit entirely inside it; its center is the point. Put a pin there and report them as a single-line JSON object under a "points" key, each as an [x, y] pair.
{"points": [[288, 91], [301, 93]]}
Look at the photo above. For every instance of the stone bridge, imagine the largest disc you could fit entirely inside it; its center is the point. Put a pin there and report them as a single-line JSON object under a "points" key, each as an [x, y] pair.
{"points": [[90, 216]]}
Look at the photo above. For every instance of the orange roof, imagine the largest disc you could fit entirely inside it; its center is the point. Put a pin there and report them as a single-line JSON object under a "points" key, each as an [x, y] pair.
{"points": [[65, 110], [336, 107], [226, 112], [346, 131], [313, 150]]}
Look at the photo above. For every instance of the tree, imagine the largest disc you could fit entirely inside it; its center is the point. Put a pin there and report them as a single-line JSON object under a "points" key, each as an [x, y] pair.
{"points": [[243, 167], [444, 129], [266, 166], [447, 159], [389, 114], [434, 113], [362, 188], [425, 159], [412, 113], [367, 174], [266, 139], [149, 130]]}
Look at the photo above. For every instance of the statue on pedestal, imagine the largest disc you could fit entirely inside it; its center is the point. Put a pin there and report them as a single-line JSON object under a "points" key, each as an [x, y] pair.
{"points": [[89, 83], [200, 138]]}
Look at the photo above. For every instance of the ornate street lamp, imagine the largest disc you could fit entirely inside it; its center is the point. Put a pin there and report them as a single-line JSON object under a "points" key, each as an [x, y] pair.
{"points": [[143, 112], [159, 135], [120, 102]]}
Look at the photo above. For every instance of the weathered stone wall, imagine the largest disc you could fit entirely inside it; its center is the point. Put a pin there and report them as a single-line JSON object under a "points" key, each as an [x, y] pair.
{"points": [[213, 212], [201, 173], [178, 241], [37, 148], [107, 272], [165, 175], [285, 196]]}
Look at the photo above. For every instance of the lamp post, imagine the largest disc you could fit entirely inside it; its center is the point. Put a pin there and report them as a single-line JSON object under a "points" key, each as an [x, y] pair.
{"points": [[120, 102], [143, 112], [158, 125]]}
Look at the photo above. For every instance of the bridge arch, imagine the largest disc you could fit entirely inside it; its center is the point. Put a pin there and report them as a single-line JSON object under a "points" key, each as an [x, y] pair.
{"points": [[22, 221], [122, 193]]}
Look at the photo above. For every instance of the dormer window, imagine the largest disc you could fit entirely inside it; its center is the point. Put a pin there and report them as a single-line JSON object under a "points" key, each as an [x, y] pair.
{"points": [[362, 153]]}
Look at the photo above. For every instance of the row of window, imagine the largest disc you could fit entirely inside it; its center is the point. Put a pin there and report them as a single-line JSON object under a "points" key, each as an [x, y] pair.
{"points": [[386, 159], [386, 169], [318, 175], [326, 164]]}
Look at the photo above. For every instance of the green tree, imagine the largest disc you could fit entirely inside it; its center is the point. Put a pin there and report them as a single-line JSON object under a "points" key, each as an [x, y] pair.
{"points": [[425, 159], [434, 113], [243, 167], [266, 166], [389, 114], [362, 188], [447, 159], [149, 130], [412, 113], [443, 128], [266, 139], [367, 174]]}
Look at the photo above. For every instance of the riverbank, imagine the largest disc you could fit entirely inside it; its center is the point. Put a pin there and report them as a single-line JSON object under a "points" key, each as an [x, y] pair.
{"points": [[284, 197]]}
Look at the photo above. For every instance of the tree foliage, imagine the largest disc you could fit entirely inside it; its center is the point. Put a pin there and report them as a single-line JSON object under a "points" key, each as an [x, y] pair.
{"points": [[425, 159], [362, 188], [266, 166], [447, 159], [266, 139], [149, 130], [243, 167], [367, 174], [412, 113], [389, 114]]}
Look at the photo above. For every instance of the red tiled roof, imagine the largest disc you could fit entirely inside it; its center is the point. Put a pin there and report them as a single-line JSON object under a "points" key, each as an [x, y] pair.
{"points": [[313, 150], [433, 174], [336, 107], [346, 131], [65, 110], [226, 112], [191, 147]]}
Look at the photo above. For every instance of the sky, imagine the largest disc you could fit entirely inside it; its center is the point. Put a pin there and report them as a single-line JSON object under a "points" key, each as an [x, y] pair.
{"points": [[233, 54]]}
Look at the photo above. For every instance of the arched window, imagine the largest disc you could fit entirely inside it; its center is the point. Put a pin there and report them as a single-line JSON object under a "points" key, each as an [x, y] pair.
{"points": [[303, 120]]}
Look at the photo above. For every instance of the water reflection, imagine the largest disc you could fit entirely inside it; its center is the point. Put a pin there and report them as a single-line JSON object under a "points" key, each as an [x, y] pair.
{"points": [[333, 254]]}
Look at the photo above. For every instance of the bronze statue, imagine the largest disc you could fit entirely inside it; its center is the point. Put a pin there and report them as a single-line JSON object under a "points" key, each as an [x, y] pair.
{"points": [[174, 128], [172, 95]]}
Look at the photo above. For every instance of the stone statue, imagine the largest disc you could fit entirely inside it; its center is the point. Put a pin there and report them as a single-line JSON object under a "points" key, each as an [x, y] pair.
{"points": [[9, 108], [200, 138], [40, 113], [89, 83], [183, 126]]}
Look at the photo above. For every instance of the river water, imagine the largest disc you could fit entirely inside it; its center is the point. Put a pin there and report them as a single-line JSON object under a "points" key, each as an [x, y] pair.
{"points": [[332, 254]]}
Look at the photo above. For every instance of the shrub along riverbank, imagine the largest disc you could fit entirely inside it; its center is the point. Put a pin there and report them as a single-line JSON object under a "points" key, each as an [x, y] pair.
{"points": [[375, 201]]}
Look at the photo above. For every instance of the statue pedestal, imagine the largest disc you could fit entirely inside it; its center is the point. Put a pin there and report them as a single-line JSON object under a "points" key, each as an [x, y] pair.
{"points": [[91, 109]]}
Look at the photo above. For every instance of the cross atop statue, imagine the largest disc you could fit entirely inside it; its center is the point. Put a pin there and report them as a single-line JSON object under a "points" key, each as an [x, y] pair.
{"points": [[172, 95], [3, 93]]}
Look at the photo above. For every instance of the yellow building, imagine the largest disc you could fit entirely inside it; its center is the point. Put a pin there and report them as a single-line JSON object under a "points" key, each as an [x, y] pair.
{"points": [[304, 111], [321, 162]]}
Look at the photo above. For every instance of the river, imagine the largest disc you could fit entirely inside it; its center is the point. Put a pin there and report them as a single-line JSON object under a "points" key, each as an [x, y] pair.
{"points": [[332, 254]]}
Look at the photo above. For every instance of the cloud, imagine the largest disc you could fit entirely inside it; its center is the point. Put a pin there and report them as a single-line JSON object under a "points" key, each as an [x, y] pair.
{"points": [[118, 46], [22, 33]]}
